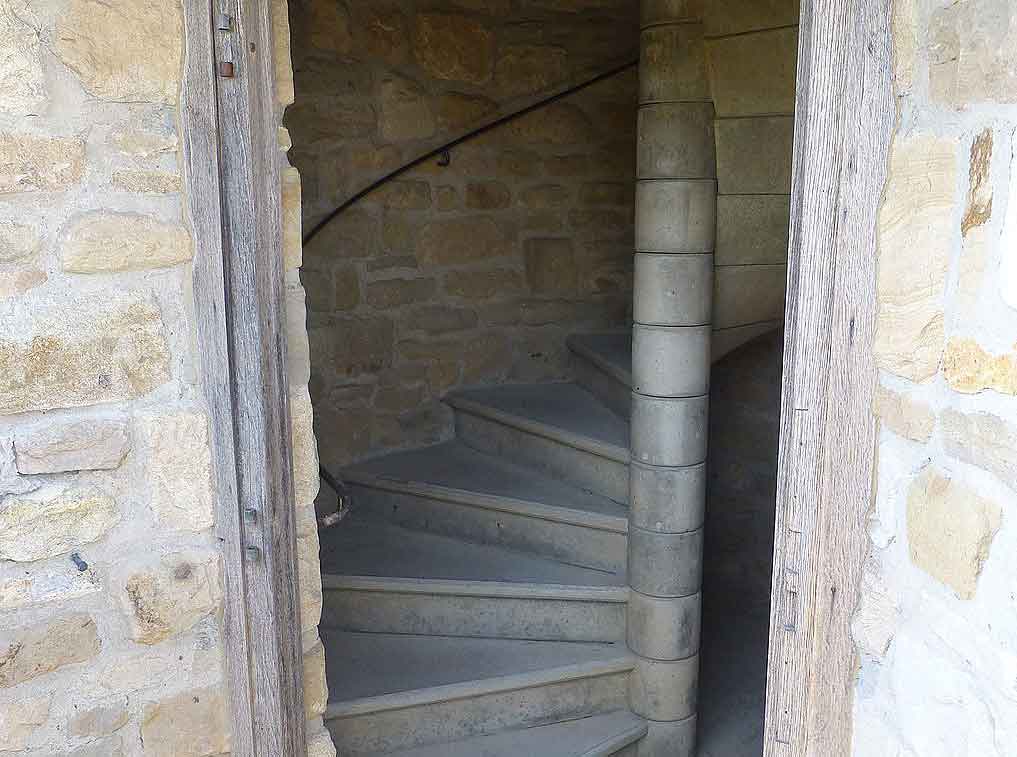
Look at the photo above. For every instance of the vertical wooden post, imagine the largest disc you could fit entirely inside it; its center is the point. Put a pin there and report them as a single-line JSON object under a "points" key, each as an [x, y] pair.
{"points": [[230, 128], [844, 118]]}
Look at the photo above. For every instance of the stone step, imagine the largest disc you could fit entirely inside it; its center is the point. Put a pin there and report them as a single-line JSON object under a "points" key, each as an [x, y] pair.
{"points": [[594, 736], [559, 429], [602, 364], [457, 491], [391, 692], [379, 577]]}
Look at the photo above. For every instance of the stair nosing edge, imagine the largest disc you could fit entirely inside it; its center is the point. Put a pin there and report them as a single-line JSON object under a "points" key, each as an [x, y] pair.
{"points": [[481, 687], [619, 741], [500, 503], [605, 366], [606, 450], [479, 589]]}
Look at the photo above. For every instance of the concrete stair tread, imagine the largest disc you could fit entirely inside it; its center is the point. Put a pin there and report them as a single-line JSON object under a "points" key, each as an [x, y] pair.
{"points": [[594, 736], [609, 351], [565, 412], [455, 472], [372, 548], [370, 672]]}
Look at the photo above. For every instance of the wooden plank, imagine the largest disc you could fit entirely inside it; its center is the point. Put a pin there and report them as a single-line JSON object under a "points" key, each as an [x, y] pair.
{"points": [[230, 136], [844, 120]]}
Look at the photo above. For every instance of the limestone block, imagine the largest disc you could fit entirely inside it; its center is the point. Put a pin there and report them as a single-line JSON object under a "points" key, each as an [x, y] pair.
{"points": [[18, 241], [309, 566], [101, 720], [20, 717], [664, 629], [979, 207], [665, 565], [950, 530], [669, 432], [146, 182], [125, 50], [559, 123], [461, 240], [315, 685], [140, 143], [305, 451], [875, 621], [164, 595], [284, 91], [676, 739], [676, 216], [33, 651], [33, 528], [108, 747], [392, 293], [748, 294], [298, 349], [454, 47], [293, 246], [970, 368], [673, 290], [57, 446], [973, 53], [664, 691], [456, 111], [529, 69], [39, 587], [754, 154], [404, 110], [752, 229], [487, 195], [380, 33], [903, 415], [39, 164], [915, 241], [178, 459], [403, 195], [106, 243], [672, 64], [667, 500], [551, 266], [653, 12], [22, 82], [320, 745], [189, 724], [16, 283], [739, 16], [671, 361], [904, 33], [984, 440], [675, 141], [754, 74]]}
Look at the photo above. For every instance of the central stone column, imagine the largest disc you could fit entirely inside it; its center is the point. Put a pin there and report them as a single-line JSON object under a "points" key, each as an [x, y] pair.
{"points": [[676, 198]]}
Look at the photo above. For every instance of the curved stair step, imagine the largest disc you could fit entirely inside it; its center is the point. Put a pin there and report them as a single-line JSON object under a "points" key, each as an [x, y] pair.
{"points": [[594, 736], [391, 692], [560, 429], [379, 577], [602, 364], [457, 491]]}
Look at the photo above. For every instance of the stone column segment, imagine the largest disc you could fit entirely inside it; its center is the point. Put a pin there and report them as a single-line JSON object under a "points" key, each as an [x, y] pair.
{"points": [[676, 221]]}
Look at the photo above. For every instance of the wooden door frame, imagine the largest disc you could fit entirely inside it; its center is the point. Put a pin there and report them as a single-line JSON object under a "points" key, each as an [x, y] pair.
{"points": [[844, 120], [230, 125]]}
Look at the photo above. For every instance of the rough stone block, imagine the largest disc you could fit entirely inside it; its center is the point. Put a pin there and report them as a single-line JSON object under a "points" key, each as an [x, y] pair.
{"points": [[754, 74], [18, 241], [529, 69], [292, 226], [284, 90], [124, 50], [22, 81], [403, 195], [972, 53], [875, 621], [461, 240], [20, 717], [754, 154], [392, 293], [179, 466], [141, 143], [483, 285], [673, 64], [39, 587], [39, 164], [28, 652], [315, 685], [441, 319], [34, 528], [487, 195], [320, 745], [551, 266], [903, 415], [453, 47], [950, 530], [309, 567], [305, 450], [675, 141], [983, 440], [190, 724], [559, 123], [165, 595], [970, 368], [56, 447], [100, 720], [146, 182], [107, 243], [915, 241], [16, 283], [298, 348], [405, 110], [979, 208], [752, 229]]}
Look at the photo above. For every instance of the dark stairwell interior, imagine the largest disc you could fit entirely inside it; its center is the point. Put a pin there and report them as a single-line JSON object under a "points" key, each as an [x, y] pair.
{"points": [[474, 600]]}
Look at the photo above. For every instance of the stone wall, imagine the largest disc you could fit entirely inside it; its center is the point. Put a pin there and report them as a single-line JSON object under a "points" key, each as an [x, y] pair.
{"points": [[937, 627], [475, 272], [110, 576]]}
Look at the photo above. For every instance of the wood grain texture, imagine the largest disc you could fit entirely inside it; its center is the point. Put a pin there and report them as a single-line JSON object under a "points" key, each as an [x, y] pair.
{"points": [[230, 135], [844, 121]]}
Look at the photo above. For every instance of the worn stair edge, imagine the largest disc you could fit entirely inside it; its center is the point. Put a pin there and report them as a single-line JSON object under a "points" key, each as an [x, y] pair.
{"points": [[497, 503], [486, 589], [469, 689], [546, 431], [627, 730], [579, 346]]}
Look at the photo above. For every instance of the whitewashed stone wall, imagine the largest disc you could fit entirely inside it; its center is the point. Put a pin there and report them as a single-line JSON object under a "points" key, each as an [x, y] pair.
{"points": [[110, 573], [937, 624]]}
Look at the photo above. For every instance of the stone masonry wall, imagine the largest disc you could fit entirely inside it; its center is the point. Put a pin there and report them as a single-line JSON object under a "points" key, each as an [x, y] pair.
{"points": [[110, 574], [475, 272], [937, 624]]}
